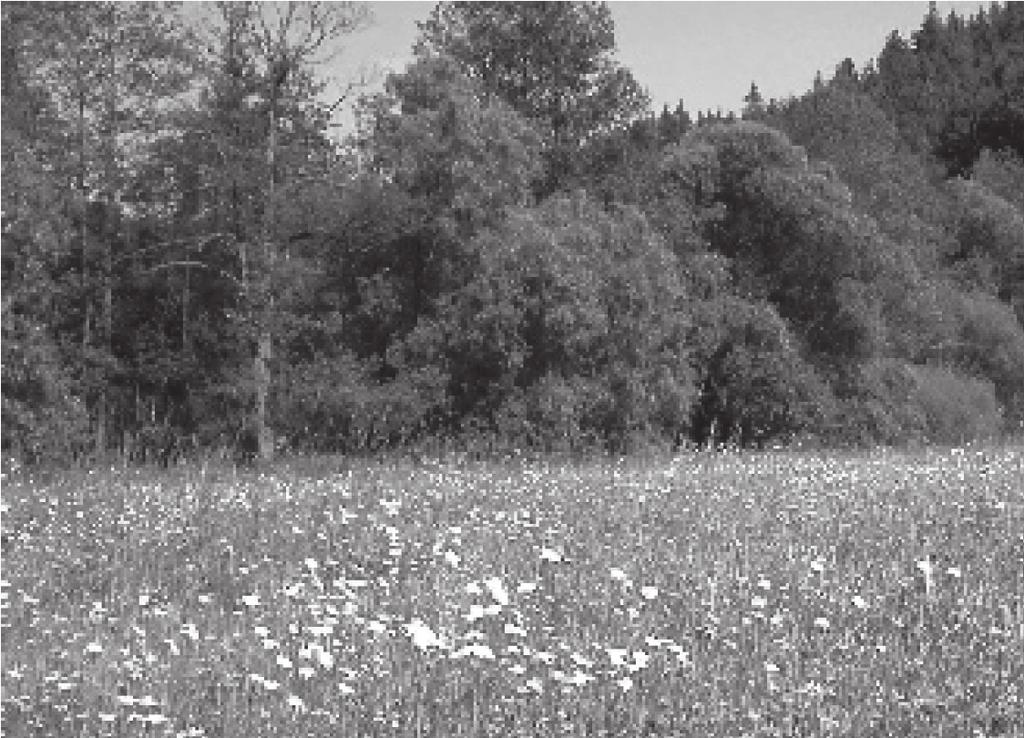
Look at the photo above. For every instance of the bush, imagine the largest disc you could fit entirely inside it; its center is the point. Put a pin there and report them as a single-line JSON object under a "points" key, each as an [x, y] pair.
{"points": [[891, 402]]}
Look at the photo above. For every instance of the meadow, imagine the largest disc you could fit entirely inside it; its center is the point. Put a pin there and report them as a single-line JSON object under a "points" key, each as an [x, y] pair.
{"points": [[768, 594]]}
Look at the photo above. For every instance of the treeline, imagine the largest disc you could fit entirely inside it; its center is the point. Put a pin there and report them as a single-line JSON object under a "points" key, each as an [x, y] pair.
{"points": [[513, 251]]}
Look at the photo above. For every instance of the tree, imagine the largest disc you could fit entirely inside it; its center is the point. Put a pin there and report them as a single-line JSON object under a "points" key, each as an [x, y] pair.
{"points": [[268, 56], [753, 107], [551, 62]]}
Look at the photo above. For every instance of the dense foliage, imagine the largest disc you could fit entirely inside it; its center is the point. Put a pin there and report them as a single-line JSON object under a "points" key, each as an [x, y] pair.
{"points": [[513, 251]]}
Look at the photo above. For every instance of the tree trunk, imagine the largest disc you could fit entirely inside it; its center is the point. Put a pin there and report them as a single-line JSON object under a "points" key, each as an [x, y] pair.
{"points": [[264, 343]]}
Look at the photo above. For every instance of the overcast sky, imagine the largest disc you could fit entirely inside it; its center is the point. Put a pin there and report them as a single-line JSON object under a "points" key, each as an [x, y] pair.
{"points": [[706, 53]]}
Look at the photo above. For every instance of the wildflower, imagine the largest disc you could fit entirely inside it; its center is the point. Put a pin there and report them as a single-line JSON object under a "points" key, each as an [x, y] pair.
{"points": [[422, 636], [475, 649], [512, 629], [625, 684], [251, 600], [550, 554], [764, 584], [474, 589], [818, 565], [147, 701], [617, 656], [640, 660], [475, 613], [517, 669], [107, 717], [271, 684], [927, 569], [295, 702], [580, 678], [581, 660], [262, 631], [497, 590], [283, 661], [771, 668], [143, 600], [759, 602], [535, 684], [326, 660], [306, 672], [954, 571], [452, 558], [345, 689], [617, 574], [155, 719], [526, 587], [821, 622], [190, 630], [204, 599], [649, 593], [94, 648], [312, 564], [270, 644], [860, 602]]}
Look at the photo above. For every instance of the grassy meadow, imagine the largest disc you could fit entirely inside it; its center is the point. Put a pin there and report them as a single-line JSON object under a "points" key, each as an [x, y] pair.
{"points": [[770, 594]]}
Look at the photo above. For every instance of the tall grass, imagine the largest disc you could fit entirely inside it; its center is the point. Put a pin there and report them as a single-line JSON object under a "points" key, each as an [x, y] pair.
{"points": [[706, 595]]}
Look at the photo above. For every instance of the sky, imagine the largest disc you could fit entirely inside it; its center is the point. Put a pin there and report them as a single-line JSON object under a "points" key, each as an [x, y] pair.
{"points": [[705, 53]]}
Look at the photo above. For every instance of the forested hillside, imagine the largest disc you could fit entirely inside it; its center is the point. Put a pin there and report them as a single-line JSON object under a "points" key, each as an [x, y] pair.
{"points": [[513, 251]]}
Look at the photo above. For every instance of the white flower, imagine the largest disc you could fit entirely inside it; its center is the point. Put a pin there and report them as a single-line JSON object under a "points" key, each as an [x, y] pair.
{"points": [[296, 703], [475, 649], [821, 622], [345, 689], [306, 672], [641, 659], [474, 589], [312, 564], [94, 647], [497, 589], [251, 600], [204, 599], [262, 631], [581, 660], [550, 554], [270, 644], [512, 629], [759, 602], [326, 660], [617, 573], [625, 684], [818, 565], [283, 661], [475, 613], [190, 630], [526, 587], [763, 583], [617, 656], [954, 571], [771, 668], [143, 600], [422, 636], [580, 678], [860, 602], [517, 669], [452, 558], [376, 627], [649, 593], [535, 684]]}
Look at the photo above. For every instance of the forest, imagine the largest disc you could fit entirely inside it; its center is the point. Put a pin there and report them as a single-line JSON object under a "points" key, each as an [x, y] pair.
{"points": [[512, 251]]}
